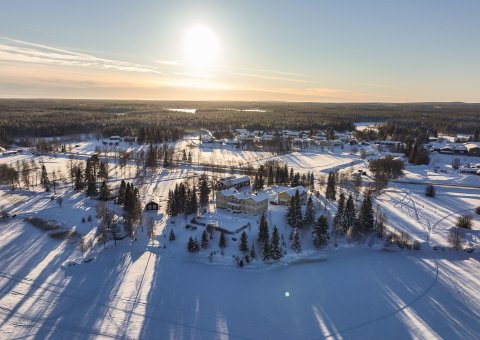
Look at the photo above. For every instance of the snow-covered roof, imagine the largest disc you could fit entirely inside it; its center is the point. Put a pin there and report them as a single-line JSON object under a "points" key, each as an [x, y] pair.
{"points": [[472, 145], [244, 195], [228, 181], [289, 190]]}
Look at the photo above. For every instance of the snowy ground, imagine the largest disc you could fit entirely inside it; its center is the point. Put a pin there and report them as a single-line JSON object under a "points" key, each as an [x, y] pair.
{"points": [[139, 290]]}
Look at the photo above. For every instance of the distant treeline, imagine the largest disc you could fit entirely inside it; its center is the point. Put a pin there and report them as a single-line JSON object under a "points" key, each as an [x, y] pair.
{"points": [[153, 122]]}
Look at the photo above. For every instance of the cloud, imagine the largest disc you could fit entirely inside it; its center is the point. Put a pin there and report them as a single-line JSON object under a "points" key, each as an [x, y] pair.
{"points": [[26, 52], [168, 62]]}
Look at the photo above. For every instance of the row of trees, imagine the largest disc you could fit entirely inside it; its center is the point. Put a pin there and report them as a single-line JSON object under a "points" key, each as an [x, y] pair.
{"points": [[350, 222], [273, 173], [185, 199]]}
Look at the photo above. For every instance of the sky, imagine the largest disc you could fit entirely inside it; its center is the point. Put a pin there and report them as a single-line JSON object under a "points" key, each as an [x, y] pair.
{"points": [[269, 50]]}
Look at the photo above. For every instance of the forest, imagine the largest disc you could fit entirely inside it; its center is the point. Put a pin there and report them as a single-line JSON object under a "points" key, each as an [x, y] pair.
{"points": [[156, 121]]}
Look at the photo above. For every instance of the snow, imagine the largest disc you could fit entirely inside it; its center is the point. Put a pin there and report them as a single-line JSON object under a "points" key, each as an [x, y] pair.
{"points": [[140, 289]]}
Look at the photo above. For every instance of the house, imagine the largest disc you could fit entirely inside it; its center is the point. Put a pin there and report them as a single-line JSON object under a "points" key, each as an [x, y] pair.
{"points": [[233, 142], [115, 138], [129, 139], [152, 206], [232, 199], [447, 149], [233, 182], [469, 170], [282, 195], [473, 149]]}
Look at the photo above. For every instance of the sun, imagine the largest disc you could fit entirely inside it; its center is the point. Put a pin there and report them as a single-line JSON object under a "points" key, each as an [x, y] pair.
{"points": [[201, 47]]}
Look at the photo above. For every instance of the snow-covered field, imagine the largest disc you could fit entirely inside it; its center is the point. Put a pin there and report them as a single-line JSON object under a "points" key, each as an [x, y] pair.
{"points": [[49, 289], [138, 291]]}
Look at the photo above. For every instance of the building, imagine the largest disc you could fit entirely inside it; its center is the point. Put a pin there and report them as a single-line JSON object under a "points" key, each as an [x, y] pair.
{"points": [[473, 149], [233, 182], [232, 199], [115, 138], [152, 206], [283, 195], [469, 170]]}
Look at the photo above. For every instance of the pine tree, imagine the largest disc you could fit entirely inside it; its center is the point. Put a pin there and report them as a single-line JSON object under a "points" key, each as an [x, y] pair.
{"points": [[121, 193], [192, 245], [103, 171], [172, 236], [309, 213], [365, 219], [205, 239], [298, 219], [263, 230], [222, 243], [296, 246], [253, 255], [337, 220], [331, 187], [320, 232], [244, 242], [291, 212], [265, 250], [275, 250], [204, 191], [349, 216], [270, 176], [104, 191], [44, 181], [79, 182], [91, 186]]}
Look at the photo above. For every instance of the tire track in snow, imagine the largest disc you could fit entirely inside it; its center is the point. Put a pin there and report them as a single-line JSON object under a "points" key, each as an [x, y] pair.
{"points": [[385, 316]]}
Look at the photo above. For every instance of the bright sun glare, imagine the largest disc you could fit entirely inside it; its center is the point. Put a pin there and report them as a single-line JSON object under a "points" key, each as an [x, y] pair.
{"points": [[200, 47]]}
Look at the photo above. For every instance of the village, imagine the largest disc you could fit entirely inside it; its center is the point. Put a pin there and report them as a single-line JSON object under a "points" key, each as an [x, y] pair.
{"points": [[250, 206], [233, 200]]}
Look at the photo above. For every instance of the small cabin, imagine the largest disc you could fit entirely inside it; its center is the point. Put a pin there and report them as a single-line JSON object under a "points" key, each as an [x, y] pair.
{"points": [[152, 206]]}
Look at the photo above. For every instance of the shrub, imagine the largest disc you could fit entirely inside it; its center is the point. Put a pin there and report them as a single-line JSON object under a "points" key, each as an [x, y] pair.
{"points": [[430, 191], [477, 210], [464, 221]]}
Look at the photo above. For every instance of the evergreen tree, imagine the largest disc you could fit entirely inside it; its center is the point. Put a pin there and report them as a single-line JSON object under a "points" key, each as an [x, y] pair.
{"points": [[103, 171], [121, 193], [349, 216], [205, 238], [296, 246], [331, 187], [337, 220], [79, 182], [243, 242], [263, 233], [320, 232], [222, 243], [91, 186], [298, 219], [44, 181], [309, 213], [365, 219], [192, 245], [270, 177], [253, 255], [291, 212], [204, 190], [172, 236], [275, 250], [104, 191], [265, 251]]}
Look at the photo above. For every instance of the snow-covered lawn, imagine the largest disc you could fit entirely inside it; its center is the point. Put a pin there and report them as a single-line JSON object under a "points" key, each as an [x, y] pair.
{"points": [[138, 291]]}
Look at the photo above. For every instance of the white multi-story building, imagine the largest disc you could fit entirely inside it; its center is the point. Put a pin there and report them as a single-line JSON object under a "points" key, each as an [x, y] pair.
{"points": [[232, 199]]}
